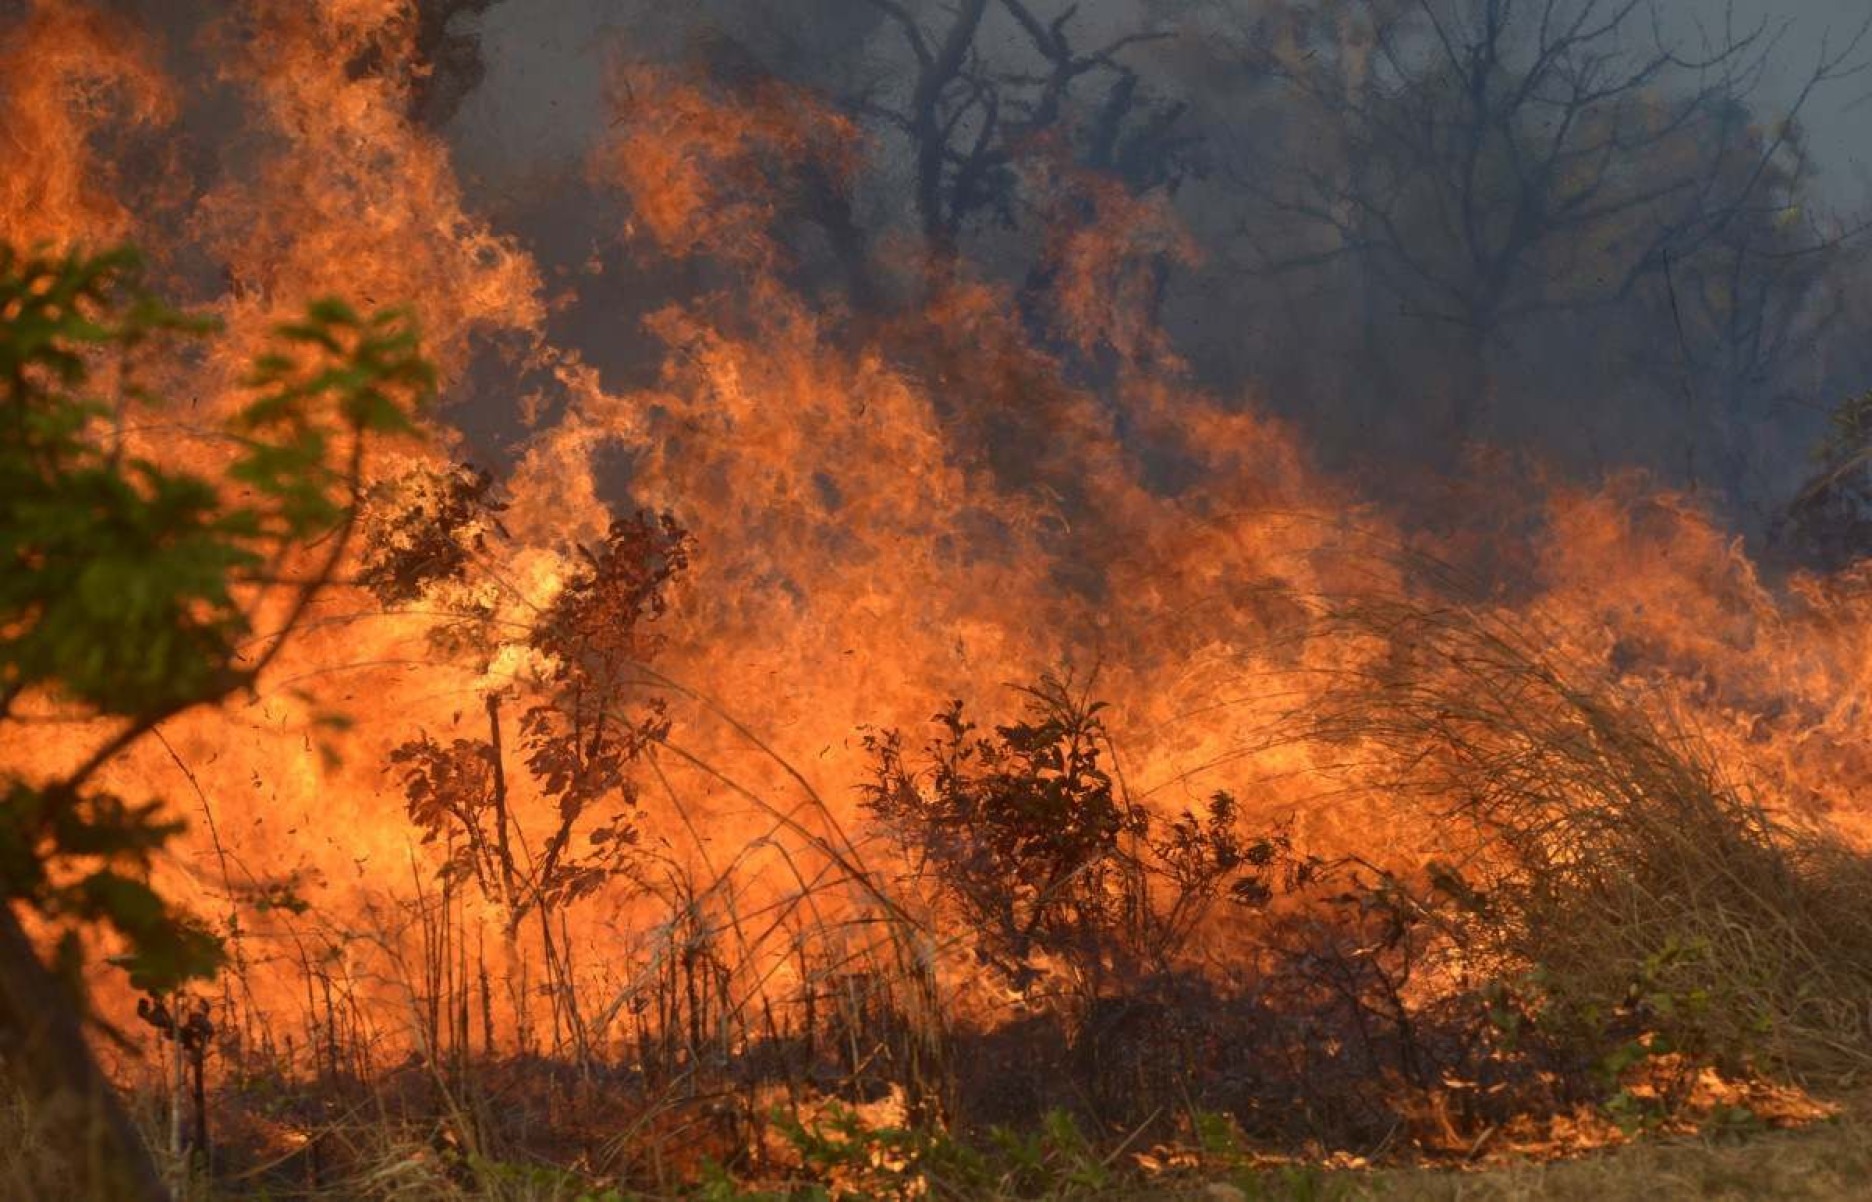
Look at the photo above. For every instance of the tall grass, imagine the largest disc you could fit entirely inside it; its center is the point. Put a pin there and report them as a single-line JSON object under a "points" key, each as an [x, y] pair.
{"points": [[1608, 847]]}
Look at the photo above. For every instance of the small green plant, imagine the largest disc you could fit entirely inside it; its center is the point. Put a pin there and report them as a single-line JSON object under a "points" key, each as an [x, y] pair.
{"points": [[1304, 1183], [1217, 1137], [717, 1184], [855, 1162], [1669, 1010], [1726, 1124], [846, 1160], [1057, 1159], [536, 1182], [131, 592]]}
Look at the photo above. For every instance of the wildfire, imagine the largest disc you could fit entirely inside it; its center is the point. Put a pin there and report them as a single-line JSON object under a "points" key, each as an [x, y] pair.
{"points": [[887, 509]]}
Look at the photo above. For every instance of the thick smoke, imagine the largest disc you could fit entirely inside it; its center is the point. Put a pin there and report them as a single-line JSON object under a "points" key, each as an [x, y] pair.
{"points": [[1055, 391], [1712, 384]]}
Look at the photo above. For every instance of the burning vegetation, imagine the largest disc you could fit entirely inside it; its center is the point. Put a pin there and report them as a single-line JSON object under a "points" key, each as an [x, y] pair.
{"points": [[779, 655]]}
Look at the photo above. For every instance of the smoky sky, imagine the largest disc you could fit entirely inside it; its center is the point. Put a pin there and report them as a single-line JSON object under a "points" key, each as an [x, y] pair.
{"points": [[541, 98], [1837, 117]]}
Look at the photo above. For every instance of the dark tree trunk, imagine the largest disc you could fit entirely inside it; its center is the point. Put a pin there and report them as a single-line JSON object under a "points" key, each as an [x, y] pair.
{"points": [[1466, 413], [43, 1041]]}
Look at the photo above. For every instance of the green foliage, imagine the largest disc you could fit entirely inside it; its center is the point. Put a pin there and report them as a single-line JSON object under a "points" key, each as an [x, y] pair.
{"points": [[1056, 1159], [1664, 1018], [128, 588], [844, 1159], [719, 1185], [854, 1162], [1849, 431], [1829, 521], [1294, 1183], [1215, 1135], [536, 1182], [119, 578]]}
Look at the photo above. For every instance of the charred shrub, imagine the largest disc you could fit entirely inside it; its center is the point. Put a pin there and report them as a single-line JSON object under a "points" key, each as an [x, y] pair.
{"points": [[1828, 523], [578, 738], [1376, 1009], [427, 528], [539, 841], [1074, 895], [1059, 875]]}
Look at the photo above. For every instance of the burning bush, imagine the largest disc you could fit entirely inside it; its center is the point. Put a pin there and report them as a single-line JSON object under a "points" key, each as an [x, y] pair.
{"points": [[1054, 868]]}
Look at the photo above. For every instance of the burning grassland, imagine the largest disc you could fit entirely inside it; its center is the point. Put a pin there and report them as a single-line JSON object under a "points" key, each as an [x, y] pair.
{"points": [[869, 706]]}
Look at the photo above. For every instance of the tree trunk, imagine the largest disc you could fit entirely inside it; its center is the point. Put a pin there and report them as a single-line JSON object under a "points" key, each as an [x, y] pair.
{"points": [[43, 1041], [1467, 416]]}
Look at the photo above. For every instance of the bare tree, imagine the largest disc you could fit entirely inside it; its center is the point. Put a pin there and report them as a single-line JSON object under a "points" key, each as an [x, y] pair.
{"points": [[968, 116], [1749, 308], [1498, 159]]}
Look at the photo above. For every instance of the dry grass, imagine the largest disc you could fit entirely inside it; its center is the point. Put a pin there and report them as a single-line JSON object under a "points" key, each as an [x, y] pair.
{"points": [[1821, 1163], [1610, 851], [28, 1167], [1830, 1162]]}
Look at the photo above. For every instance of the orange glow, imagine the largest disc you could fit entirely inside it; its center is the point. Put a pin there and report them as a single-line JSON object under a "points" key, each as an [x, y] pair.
{"points": [[70, 74], [886, 513]]}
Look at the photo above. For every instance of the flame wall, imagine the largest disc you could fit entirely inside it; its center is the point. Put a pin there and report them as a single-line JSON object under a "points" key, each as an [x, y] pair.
{"points": [[891, 508]]}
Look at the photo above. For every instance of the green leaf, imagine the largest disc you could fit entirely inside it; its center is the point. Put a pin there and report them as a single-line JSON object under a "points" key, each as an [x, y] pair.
{"points": [[125, 584]]}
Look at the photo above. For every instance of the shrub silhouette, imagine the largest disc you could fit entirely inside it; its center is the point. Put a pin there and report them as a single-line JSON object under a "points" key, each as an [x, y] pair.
{"points": [[1060, 876]]}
